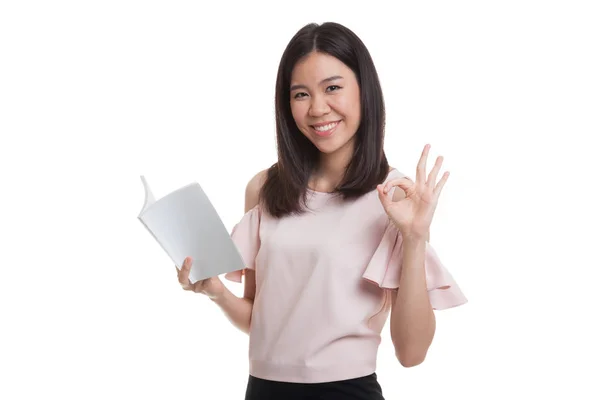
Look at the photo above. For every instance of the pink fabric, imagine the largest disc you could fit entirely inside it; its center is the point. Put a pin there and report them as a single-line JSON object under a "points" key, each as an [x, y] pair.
{"points": [[385, 268], [247, 240], [322, 287]]}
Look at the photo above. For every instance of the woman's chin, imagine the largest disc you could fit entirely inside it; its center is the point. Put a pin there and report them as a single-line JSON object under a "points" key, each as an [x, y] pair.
{"points": [[333, 147]]}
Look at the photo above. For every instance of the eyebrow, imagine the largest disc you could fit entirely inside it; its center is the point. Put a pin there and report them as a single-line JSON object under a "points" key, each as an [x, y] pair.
{"points": [[331, 78]]}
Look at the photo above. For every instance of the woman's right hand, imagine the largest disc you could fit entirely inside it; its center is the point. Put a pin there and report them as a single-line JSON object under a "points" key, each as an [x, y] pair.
{"points": [[211, 287]]}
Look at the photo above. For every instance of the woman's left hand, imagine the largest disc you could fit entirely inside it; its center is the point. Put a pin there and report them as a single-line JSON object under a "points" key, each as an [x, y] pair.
{"points": [[414, 213]]}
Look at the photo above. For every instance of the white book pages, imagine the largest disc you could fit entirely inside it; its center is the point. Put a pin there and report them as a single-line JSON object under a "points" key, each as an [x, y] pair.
{"points": [[185, 223]]}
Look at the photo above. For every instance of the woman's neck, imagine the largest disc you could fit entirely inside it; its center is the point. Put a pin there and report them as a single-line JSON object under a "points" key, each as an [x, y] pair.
{"points": [[331, 169]]}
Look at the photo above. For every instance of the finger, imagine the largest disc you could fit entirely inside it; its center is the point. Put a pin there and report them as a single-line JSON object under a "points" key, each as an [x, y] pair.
{"points": [[432, 178], [404, 183], [441, 183], [420, 178], [184, 274]]}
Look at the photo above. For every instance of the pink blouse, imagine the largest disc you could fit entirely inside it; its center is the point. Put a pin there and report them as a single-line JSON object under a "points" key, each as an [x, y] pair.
{"points": [[322, 287]]}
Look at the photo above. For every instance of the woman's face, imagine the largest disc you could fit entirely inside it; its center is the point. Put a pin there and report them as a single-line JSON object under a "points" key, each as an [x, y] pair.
{"points": [[325, 102]]}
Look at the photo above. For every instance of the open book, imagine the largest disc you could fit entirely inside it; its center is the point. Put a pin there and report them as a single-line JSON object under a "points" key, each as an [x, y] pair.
{"points": [[185, 223]]}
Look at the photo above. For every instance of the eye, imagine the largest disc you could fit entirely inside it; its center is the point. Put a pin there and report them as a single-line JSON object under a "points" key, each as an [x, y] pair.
{"points": [[332, 88], [300, 95]]}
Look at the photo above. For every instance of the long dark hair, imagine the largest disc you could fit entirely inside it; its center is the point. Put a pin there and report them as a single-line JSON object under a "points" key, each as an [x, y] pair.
{"points": [[284, 190]]}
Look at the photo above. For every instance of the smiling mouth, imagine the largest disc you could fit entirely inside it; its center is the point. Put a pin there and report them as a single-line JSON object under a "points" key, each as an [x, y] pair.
{"points": [[325, 130]]}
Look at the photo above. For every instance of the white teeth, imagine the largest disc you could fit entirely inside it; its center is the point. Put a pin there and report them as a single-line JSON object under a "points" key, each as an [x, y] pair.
{"points": [[325, 127]]}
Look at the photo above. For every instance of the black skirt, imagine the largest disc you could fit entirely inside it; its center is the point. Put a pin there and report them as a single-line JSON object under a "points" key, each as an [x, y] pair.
{"points": [[364, 388]]}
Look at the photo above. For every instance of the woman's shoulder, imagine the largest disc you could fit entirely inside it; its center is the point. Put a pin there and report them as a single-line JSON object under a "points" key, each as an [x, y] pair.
{"points": [[253, 188], [394, 173]]}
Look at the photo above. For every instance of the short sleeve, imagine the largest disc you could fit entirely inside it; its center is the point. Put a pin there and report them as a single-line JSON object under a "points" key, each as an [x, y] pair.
{"points": [[385, 265], [245, 236]]}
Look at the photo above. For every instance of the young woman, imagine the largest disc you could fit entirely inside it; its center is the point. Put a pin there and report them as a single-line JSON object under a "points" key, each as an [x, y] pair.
{"points": [[331, 248]]}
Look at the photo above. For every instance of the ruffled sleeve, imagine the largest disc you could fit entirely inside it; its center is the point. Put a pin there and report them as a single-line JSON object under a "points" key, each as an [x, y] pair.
{"points": [[245, 236], [385, 266]]}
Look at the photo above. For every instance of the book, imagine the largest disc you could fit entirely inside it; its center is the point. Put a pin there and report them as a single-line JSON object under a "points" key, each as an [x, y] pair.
{"points": [[185, 223]]}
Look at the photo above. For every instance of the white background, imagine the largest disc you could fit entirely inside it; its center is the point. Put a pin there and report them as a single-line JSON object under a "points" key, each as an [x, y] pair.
{"points": [[93, 94]]}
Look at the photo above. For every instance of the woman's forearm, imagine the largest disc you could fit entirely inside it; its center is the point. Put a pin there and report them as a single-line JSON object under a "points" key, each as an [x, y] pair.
{"points": [[412, 318], [238, 310]]}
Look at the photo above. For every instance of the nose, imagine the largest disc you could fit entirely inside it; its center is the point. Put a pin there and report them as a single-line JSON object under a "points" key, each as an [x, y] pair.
{"points": [[318, 107]]}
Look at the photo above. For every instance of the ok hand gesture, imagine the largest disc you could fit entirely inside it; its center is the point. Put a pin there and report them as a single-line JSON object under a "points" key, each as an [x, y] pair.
{"points": [[414, 213]]}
